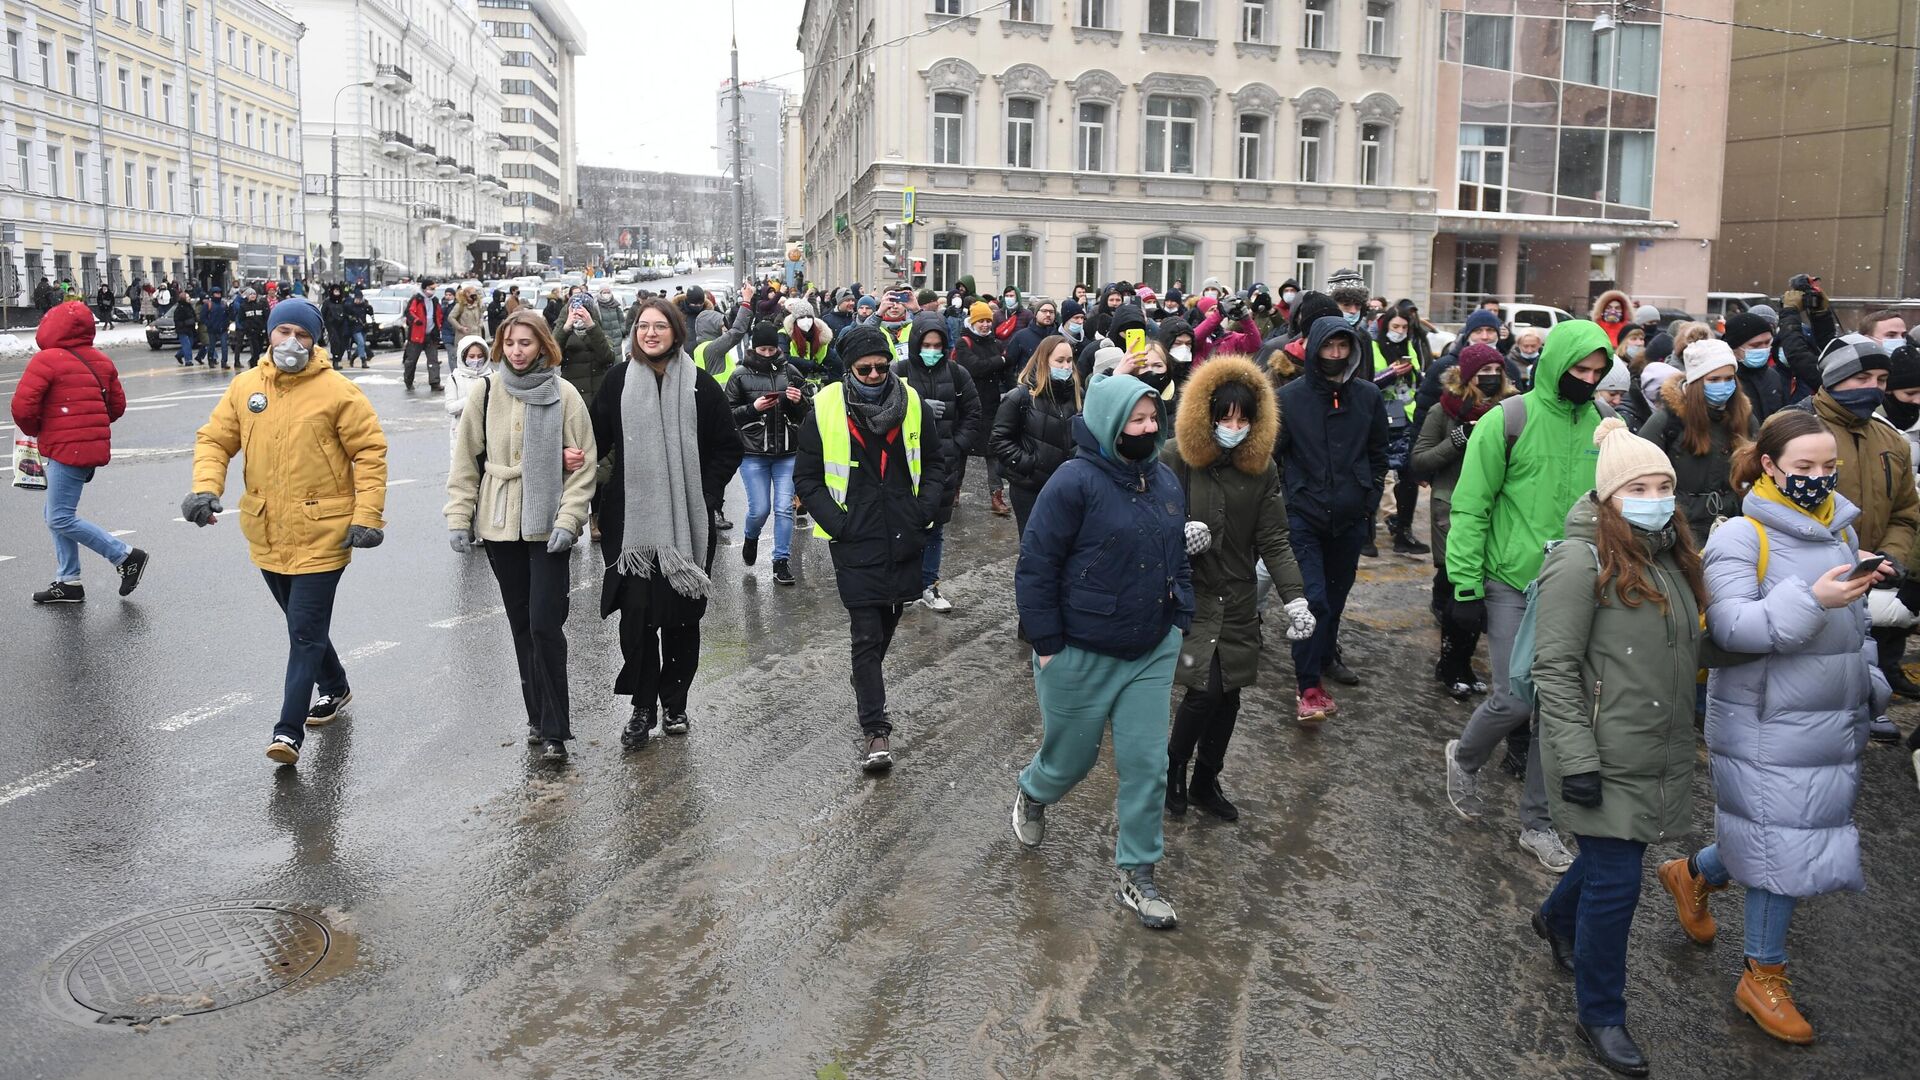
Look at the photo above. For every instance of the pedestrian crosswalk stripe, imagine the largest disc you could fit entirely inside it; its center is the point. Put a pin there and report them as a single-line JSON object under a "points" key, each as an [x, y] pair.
{"points": [[45, 778], [205, 712]]}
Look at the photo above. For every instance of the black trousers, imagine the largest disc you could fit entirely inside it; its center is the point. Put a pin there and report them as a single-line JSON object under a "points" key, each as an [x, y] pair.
{"points": [[1022, 499], [1406, 496], [872, 629], [533, 586], [412, 358], [1205, 719], [660, 663]]}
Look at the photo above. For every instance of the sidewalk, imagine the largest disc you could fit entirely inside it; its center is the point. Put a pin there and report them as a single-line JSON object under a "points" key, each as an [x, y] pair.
{"points": [[19, 343]]}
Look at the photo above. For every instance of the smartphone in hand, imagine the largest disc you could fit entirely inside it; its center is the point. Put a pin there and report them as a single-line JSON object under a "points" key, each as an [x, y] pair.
{"points": [[1865, 567]]}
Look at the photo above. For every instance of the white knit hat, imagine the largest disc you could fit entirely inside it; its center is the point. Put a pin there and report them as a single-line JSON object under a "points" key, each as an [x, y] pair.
{"points": [[1617, 378], [1706, 356], [1624, 457]]}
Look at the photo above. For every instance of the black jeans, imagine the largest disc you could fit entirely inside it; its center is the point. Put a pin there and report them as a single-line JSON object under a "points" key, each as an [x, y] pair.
{"points": [[1022, 499], [1206, 718], [872, 629], [533, 586], [307, 600], [412, 357], [660, 662]]}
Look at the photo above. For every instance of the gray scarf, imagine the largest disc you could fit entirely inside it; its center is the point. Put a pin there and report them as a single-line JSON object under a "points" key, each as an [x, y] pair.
{"points": [[541, 476], [666, 518], [879, 416]]}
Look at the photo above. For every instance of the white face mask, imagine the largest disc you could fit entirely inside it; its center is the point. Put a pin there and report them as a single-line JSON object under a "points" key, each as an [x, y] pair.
{"points": [[1289, 297], [1396, 336], [291, 356], [805, 326], [1181, 353]]}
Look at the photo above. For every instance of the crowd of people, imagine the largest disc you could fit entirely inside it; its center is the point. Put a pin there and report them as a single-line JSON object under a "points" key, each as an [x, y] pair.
{"points": [[1614, 507]]}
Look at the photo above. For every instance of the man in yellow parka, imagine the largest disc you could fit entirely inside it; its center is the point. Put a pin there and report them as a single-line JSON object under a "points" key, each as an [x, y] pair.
{"points": [[315, 486]]}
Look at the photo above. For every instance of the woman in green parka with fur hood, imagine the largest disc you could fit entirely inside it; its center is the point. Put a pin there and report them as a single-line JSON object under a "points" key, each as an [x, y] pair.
{"points": [[1222, 454]]}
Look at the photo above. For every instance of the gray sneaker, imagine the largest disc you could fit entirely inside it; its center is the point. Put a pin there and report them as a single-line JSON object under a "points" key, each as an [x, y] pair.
{"points": [[1545, 845], [1137, 892], [1029, 818], [1463, 787], [1883, 730]]}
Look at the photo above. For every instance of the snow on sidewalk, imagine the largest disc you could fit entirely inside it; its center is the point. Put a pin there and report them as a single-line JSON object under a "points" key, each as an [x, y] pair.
{"points": [[19, 344]]}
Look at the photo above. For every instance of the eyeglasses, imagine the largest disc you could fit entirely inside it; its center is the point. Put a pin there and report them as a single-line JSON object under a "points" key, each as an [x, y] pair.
{"points": [[653, 327], [869, 369]]}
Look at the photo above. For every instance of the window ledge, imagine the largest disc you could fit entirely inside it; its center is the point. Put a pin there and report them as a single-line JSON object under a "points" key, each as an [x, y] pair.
{"points": [[1328, 57], [1256, 50], [1084, 35], [1175, 41], [1026, 29], [969, 23], [1370, 60]]}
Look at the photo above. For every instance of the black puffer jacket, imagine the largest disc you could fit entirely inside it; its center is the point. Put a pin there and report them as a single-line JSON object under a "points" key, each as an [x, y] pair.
{"points": [[985, 358], [959, 417], [1033, 435], [1333, 436], [775, 432]]}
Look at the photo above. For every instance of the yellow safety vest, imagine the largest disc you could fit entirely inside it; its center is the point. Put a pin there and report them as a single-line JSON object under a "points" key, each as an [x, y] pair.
{"points": [[700, 361], [836, 443], [1402, 392]]}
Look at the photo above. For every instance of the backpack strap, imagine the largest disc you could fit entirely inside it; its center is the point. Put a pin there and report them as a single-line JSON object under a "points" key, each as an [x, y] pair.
{"points": [[1513, 421]]}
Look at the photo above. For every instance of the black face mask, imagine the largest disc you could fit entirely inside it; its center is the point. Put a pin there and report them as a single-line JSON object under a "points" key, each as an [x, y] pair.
{"points": [[1332, 370], [1901, 413], [1574, 390], [1156, 379], [1489, 386], [1136, 447]]}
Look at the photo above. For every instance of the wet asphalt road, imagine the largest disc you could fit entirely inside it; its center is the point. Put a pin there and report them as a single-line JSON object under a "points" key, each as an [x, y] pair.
{"points": [[742, 902]]}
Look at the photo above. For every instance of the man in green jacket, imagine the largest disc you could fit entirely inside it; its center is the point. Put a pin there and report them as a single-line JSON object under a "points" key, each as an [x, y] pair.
{"points": [[1519, 477]]}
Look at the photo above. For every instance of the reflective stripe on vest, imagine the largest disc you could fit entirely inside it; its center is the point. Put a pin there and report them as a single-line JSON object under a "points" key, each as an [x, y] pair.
{"points": [[836, 443], [700, 361]]}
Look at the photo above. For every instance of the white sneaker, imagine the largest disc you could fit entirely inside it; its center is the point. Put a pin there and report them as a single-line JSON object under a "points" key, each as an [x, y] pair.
{"points": [[1463, 787], [1029, 818], [934, 601], [1545, 845], [1138, 893]]}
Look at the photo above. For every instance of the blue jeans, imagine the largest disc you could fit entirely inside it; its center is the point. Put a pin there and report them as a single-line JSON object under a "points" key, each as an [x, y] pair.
{"points": [[930, 558], [763, 475], [307, 600], [184, 353], [360, 344], [216, 348], [1593, 906], [1328, 562], [1768, 914], [70, 531]]}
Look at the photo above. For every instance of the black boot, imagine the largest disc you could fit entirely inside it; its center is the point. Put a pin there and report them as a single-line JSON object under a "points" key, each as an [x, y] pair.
{"points": [[1205, 793], [1893, 647], [1177, 788], [1615, 1048], [639, 725]]}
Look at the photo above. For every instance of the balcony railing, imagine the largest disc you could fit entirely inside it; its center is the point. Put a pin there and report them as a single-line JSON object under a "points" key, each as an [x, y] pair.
{"points": [[395, 145], [444, 108], [393, 78], [446, 166]]}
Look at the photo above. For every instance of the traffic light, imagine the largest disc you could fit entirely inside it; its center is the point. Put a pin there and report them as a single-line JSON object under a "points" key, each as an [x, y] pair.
{"points": [[919, 272], [892, 247]]}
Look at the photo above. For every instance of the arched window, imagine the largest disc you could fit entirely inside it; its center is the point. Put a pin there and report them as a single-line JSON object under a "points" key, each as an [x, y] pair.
{"points": [[1377, 114], [952, 84], [1166, 259], [1096, 98], [1257, 109]]}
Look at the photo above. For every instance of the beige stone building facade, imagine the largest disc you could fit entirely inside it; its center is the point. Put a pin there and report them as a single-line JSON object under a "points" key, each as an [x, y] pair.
{"points": [[146, 139]]}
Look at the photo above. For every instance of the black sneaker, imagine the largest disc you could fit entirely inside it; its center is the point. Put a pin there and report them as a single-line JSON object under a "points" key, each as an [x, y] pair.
{"points": [[1206, 795], [782, 573], [639, 728], [553, 750], [1339, 672], [750, 550], [676, 724], [61, 592], [1405, 544], [1369, 549], [130, 570], [327, 709], [283, 750], [533, 735]]}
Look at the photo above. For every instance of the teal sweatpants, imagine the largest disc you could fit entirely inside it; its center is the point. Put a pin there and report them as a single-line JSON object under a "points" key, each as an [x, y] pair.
{"points": [[1080, 694]]}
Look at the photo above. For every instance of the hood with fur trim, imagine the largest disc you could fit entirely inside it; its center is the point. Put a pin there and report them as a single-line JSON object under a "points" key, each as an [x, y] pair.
{"points": [[1600, 304], [822, 333], [1193, 424]]}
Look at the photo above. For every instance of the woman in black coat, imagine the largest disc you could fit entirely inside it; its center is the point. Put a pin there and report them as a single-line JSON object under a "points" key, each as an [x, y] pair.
{"points": [[337, 316], [660, 607], [1033, 430]]}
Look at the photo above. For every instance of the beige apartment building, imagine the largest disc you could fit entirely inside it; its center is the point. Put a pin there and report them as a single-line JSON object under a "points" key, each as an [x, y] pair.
{"points": [[146, 139], [1096, 140]]}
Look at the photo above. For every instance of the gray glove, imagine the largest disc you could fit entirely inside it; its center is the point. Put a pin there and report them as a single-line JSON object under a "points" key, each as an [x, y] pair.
{"points": [[359, 536], [560, 540], [1199, 537], [939, 407], [200, 507], [1459, 436], [461, 540]]}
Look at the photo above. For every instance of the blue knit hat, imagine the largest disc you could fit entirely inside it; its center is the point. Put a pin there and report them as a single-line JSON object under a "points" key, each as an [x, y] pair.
{"points": [[868, 302], [1478, 319], [299, 312]]}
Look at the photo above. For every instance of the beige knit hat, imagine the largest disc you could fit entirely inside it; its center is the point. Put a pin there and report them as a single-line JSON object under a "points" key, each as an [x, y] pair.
{"points": [[1624, 457]]}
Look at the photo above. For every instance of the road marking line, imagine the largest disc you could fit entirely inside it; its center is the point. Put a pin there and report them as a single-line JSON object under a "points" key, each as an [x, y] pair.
{"points": [[205, 712], [123, 532], [45, 778], [462, 620], [371, 648], [7, 558], [150, 408], [397, 483]]}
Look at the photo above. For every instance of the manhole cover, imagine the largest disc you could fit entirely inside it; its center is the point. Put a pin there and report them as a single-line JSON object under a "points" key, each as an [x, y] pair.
{"points": [[188, 960]]}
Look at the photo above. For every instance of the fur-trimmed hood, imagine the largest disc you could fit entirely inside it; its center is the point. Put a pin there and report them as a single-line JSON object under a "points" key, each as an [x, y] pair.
{"points": [[1600, 304], [1193, 425], [1673, 392], [822, 333]]}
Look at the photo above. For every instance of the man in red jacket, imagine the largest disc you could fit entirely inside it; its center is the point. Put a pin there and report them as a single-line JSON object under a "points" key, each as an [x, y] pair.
{"points": [[68, 398], [424, 320]]}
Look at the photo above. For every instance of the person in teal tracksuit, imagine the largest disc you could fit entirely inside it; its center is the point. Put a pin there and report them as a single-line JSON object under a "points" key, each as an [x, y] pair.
{"points": [[1105, 593]]}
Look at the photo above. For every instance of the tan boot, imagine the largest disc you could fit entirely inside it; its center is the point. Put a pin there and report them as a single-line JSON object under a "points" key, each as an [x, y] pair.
{"points": [[1766, 995], [1000, 504], [1690, 892]]}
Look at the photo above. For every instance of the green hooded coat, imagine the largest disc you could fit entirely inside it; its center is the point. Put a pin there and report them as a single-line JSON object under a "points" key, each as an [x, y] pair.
{"points": [[1506, 507]]}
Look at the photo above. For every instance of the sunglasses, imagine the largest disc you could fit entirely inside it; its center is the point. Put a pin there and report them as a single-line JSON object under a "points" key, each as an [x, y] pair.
{"points": [[869, 369]]}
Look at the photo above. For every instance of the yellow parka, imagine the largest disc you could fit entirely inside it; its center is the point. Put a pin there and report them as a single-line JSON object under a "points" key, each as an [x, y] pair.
{"points": [[316, 462]]}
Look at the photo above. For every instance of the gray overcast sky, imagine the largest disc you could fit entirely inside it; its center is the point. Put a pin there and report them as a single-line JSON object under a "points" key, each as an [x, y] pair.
{"points": [[648, 80]]}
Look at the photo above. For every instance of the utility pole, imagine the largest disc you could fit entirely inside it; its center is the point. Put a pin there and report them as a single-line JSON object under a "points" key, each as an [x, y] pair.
{"points": [[740, 266]]}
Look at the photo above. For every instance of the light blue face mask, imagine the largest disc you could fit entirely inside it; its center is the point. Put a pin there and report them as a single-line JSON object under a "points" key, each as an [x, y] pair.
{"points": [[931, 357], [1060, 374], [1718, 393], [1756, 357], [1227, 437], [1352, 317], [1649, 514]]}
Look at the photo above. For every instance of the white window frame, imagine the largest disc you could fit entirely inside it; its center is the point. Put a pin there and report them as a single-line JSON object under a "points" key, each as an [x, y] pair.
{"points": [[1367, 265], [146, 96], [1306, 266], [45, 49], [1477, 162], [957, 139], [947, 7], [1173, 267], [1017, 267], [1247, 257], [1250, 148], [1374, 170], [1164, 139], [1091, 135], [1096, 14], [56, 165], [1025, 11], [131, 187], [1256, 22], [1011, 127], [1310, 150], [1163, 17], [946, 265], [1089, 266], [1313, 24], [1379, 35]]}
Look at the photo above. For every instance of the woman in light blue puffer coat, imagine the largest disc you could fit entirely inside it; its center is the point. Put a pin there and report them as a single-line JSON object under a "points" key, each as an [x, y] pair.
{"points": [[1785, 731]]}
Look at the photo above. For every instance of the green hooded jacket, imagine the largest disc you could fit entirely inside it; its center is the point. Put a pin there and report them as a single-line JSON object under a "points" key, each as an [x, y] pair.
{"points": [[1506, 508]]}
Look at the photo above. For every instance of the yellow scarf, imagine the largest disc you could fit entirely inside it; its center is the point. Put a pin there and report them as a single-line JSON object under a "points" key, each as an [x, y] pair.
{"points": [[1767, 489]]}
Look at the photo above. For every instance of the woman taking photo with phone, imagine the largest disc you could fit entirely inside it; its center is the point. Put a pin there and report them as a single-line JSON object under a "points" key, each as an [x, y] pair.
{"points": [[518, 483], [1784, 732]]}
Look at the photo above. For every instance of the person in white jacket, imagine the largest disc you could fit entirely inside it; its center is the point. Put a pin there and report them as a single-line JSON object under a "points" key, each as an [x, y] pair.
{"points": [[472, 362]]}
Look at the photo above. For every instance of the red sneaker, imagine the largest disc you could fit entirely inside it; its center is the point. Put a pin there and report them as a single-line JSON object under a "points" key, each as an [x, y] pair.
{"points": [[1315, 706]]}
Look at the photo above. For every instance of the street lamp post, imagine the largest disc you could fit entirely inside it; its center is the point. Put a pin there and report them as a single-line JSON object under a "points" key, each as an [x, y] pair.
{"points": [[333, 212]]}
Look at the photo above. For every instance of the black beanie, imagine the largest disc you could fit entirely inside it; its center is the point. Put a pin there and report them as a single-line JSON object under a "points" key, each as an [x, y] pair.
{"points": [[1743, 328], [1661, 347], [863, 341], [765, 333], [1903, 368], [1313, 305]]}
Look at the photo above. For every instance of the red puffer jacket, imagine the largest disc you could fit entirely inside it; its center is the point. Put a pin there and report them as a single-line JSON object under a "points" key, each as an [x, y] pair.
{"points": [[70, 394]]}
